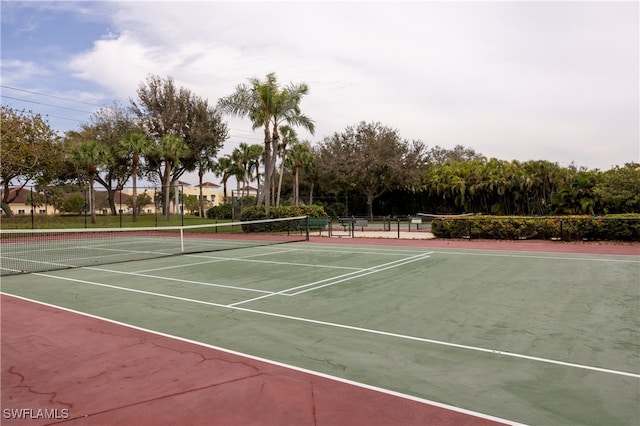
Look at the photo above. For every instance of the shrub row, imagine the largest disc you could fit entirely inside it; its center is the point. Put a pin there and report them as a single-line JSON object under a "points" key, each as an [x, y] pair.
{"points": [[258, 213], [567, 228]]}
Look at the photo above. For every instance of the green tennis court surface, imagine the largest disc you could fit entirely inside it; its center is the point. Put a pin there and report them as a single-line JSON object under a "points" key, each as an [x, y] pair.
{"points": [[537, 338]]}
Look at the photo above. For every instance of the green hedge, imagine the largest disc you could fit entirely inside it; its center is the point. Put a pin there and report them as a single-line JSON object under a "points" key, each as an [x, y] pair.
{"points": [[223, 211], [567, 228], [258, 213]]}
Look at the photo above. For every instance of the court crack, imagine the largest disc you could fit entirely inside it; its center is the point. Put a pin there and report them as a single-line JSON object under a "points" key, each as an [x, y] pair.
{"points": [[52, 395], [327, 361], [204, 358]]}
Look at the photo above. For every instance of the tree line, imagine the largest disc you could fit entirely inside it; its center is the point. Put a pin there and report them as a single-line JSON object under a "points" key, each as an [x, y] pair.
{"points": [[167, 131]]}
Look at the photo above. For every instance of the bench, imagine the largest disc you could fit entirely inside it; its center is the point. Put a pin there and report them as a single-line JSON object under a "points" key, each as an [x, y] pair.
{"points": [[417, 221], [345, 222], [316, 224], [361, 223]]}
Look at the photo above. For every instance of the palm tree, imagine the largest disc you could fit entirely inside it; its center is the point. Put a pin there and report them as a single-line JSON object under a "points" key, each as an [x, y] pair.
{"points": [[240, 157], [169, 151], [311, 169], [89, 156], [299, 156], [203, 164], [133, 145], [224, 169], [288, 137], [256, 154], [268, 106]]}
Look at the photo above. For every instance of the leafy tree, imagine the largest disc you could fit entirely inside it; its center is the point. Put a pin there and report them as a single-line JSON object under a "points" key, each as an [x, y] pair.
{"points": [[140, 201], [205, 137], [191, 203], [30, 152], [165, 110], [576, 195], [619, 189], [438, 154], [268, 106], [108, 126], [89, 156], [370, 159], [73, 203]]}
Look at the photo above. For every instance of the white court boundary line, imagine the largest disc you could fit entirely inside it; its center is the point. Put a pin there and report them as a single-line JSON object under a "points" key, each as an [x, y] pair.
{"points": [[542, 257], [279, 364], [624, 258], [359, 329]]}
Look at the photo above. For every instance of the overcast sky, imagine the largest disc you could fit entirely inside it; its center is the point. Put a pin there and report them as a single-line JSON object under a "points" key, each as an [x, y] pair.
{"points": [[557, 81]]}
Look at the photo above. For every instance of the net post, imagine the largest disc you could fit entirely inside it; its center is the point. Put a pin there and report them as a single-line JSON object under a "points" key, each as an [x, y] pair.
{"points": [[306, 222], [181, 240]]}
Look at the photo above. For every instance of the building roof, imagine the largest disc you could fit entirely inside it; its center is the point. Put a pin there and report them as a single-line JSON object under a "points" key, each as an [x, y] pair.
{"points": [[21, 194], [209, 185]]}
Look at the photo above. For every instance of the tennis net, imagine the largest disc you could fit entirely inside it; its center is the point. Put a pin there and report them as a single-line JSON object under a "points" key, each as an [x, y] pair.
{"points": [[40, 250]]}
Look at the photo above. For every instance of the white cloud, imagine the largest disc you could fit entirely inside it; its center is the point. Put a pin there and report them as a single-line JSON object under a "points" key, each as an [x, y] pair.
{"points": [[552, 80], [15, 72]]}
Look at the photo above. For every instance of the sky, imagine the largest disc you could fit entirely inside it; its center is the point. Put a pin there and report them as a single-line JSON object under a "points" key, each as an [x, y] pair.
{"points": [[514, 80]]}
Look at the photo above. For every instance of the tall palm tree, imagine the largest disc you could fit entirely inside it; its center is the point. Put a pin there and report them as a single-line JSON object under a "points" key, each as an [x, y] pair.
{"points": [[89, 156], [299, 156], [268, 106], [256, 154], [223, 169], [240, 157], [132, 146], [203, 165], [311, 170], [168, 152], [288, 137]]}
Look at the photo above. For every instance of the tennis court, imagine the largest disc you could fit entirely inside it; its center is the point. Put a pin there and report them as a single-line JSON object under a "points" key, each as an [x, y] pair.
{"points": [[384, 332]]}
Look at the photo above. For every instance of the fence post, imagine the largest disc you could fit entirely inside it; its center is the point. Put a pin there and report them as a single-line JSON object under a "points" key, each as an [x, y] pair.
{"points": [[353, 227]]}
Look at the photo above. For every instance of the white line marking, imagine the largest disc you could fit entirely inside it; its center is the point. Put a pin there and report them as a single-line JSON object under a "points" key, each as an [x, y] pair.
{"points": [[336, 280], [213, 259], [274, 262], [180, 280], [360, 329], [533, 256], [369, 271], [280, 364]]}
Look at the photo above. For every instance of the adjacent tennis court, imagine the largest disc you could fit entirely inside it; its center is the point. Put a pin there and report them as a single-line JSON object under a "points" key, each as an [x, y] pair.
{"points": [[512, 336]]}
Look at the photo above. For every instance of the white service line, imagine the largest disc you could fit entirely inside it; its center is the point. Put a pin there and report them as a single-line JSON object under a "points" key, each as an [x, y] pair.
{"points": [[340, 278], [180, 280]]}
